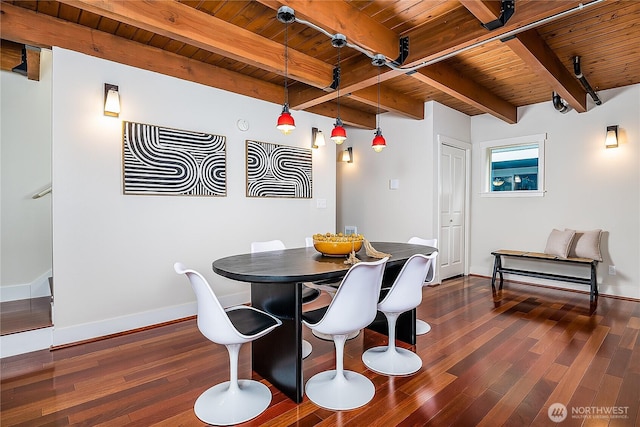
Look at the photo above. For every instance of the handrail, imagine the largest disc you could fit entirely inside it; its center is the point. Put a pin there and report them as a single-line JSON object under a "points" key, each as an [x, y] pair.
{"points": [[42, 193]]}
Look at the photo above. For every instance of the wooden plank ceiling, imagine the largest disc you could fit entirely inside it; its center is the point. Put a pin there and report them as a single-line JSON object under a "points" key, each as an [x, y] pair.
{"points": [[239, 46]]}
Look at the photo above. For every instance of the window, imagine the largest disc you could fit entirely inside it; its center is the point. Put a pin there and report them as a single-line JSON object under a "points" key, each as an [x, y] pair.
{"points": [[514, 166]]}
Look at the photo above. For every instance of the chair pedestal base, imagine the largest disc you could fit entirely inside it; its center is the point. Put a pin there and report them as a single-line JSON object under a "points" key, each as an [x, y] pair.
{"points": [[339, 394], [422, 327], [398, 361], [328, 337], [307, 348], [218, 406]]}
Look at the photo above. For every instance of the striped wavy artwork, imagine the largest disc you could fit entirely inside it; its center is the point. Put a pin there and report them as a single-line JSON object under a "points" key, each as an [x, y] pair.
{"points": [[278, 171], [159, 160]]}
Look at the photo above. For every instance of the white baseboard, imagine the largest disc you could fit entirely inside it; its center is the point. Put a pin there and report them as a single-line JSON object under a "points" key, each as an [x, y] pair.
{"points": [[40, 339], [87, 331], [15, 292], [39, 287], [25, 342]]}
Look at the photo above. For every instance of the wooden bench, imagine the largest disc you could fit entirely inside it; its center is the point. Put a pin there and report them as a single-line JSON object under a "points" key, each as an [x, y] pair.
{"points": [[592, 281]]}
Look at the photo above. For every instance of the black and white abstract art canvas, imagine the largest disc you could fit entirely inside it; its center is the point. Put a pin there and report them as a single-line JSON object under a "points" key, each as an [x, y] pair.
{"points": [[163, 161], [278, 171]]}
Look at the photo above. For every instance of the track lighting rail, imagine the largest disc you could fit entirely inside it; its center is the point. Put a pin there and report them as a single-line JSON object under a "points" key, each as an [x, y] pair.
{"points": [[288, 13], [582, 79]]}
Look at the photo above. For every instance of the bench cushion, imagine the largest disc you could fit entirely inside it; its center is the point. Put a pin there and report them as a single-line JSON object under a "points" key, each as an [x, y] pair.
{"points": [[559, 242], [540, 256], [586, 244]]}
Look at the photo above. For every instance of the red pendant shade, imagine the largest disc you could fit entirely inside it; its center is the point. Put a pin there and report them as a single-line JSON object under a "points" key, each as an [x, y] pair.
{"points": [[285, 122], [338, 134], [378, 141]]}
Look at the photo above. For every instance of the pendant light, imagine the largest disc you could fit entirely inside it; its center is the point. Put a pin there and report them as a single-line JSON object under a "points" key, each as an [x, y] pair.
{"points": [[338, 134], [285, 122], [379, 142]]}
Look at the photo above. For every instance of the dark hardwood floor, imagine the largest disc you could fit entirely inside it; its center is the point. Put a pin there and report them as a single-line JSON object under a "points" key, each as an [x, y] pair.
{"points": [[486, 362], [25, 315]]}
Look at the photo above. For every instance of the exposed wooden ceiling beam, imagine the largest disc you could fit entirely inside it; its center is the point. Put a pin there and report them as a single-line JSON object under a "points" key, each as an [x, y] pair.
{"points": [[439, 76], [458, 29], [390, 100], [23, 26], [448, 80], [10, 55], [360, 76], [167, 19], [393, 101], [544, 63], [33, 63], [342, 17], [484, 10], [181, 22], [536, 54], [349, 116]]}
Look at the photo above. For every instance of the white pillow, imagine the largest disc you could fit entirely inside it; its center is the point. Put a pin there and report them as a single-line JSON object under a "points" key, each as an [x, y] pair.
{"points": [[586, 244], [559, 242]]}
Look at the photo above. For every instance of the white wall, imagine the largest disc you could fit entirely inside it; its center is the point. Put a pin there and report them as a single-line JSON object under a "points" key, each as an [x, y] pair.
{"points": [[25, 112], [113, 254], [588, 187], [365, 199]]}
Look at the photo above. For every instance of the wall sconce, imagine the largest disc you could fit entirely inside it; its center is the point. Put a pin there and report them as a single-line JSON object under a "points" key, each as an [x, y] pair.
{"points": [[612, 137], [347, 155], [317, 138], [111, 100]]}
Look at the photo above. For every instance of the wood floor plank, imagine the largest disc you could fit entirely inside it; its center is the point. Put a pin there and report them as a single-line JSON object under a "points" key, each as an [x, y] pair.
{"points": [[529, 408], [487, 361], [592, 378], [529, 376], [628, 397], [568, 384], [25, 315], [606, 397]]}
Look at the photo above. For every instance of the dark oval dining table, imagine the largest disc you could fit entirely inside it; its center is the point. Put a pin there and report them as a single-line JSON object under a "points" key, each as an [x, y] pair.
{"points": [[276, 279]]}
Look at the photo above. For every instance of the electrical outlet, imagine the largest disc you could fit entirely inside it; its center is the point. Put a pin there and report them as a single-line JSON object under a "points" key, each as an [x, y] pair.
{"points": [[612, 270]]}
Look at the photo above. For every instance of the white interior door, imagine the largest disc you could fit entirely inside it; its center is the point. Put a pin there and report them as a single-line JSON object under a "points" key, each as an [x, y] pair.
{"points": [[452, 211]]}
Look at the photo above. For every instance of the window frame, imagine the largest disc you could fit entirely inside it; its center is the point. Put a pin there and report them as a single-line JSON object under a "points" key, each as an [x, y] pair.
{"points": [[487, 146]]}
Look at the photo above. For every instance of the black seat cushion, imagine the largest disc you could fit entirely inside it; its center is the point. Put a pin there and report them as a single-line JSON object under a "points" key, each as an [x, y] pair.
{"points": [[250, 322], [314, 316], [383, 293]]}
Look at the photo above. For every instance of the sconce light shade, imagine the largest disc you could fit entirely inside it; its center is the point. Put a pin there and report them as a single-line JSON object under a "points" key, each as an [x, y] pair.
{"points": [[347, 155], [317, 138], [111, 100], [612, 137], [379, 142], [285, 122]]}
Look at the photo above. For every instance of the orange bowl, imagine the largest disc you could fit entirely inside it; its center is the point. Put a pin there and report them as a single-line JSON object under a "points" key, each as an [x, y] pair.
{"points": [[337, 248]]}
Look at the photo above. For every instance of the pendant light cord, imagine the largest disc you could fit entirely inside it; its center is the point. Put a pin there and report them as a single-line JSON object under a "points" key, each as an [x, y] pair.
{"points": [[339, 72], [378, 115], [286, 64]]}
